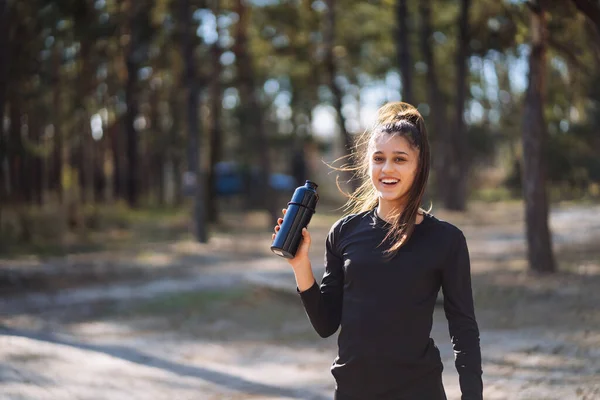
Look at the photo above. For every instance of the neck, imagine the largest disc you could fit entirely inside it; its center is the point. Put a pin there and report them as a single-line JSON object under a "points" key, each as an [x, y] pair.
{"points": [[388, 211]]}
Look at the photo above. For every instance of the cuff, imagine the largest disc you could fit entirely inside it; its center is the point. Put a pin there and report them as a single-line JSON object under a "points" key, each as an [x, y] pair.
{"points": [[309, 290]]}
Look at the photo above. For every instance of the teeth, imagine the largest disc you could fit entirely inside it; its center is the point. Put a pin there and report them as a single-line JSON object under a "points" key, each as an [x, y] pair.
{"points": [[389, 181]]}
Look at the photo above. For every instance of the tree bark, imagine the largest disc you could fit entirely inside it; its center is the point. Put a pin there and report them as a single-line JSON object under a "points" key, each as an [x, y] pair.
{"points": [[539, 244], [4, 70], [253, 121], [216, 131], [457, 164], [116, 145], [336, 91], [58, 150], [440, 139], [132, 62], [16, 151], [193, 126], [403, 51]]}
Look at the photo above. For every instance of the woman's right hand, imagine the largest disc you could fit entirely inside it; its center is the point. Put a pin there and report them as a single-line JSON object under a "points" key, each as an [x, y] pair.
{"points": [[301, 257]]}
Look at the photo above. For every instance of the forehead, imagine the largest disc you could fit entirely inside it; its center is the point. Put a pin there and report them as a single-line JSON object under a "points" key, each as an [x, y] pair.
{"points": [[387, 143]]}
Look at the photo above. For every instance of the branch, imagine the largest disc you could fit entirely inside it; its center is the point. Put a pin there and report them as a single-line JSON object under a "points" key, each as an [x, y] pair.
{"points": [[591, 10], [569, 54]]}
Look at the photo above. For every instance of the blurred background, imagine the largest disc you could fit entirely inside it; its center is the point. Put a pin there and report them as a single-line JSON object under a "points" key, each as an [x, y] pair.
{"points": [[147, 148]]}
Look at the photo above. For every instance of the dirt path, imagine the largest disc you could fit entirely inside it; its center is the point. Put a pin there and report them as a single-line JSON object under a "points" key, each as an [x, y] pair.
{"points": [[216, 332]]}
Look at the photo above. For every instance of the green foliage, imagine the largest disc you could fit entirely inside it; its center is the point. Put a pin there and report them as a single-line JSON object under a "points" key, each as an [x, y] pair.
{"points": [[68, 63]]}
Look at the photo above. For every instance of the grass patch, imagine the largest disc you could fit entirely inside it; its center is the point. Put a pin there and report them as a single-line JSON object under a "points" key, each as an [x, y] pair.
{"points": [[245, 313], [191, 303]]}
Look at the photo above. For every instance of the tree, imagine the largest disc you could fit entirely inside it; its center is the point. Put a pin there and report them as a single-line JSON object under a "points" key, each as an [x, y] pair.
{"points": [[329, 29], [405, 63], [534, 134], [138, 18], [191, 83], [434, 98], [4, 69], [457, 164], [216, 130], [252, 114]]}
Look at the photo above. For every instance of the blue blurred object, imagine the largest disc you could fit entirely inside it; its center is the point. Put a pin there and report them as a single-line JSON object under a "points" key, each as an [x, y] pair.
{"points": [[230, 179], [282, 182]]}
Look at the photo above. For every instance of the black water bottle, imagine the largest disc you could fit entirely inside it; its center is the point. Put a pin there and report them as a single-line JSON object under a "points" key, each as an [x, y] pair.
{"points": [[299, 212]]}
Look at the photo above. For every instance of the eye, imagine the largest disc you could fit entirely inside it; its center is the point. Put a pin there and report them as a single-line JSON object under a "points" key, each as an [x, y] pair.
{"points": [[400, 159], [377, 159]]}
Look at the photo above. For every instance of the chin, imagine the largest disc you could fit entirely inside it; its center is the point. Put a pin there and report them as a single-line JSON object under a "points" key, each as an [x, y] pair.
{"points": [[391, 197]]}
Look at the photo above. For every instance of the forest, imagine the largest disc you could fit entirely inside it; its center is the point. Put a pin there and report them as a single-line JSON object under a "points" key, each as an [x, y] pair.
{"points": [[120, 105]]}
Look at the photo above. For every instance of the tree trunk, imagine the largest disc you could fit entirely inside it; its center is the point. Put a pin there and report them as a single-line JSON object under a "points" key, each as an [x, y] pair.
{"points": [[99, 174], [132, 62], [57, 159], [457, 165], [253, 121], [330, 71], [216, 131], [156, 149], [403, 51], [539, 244], [193, 126], [16, 151], [440, 139], [37, 160], [4, 70], [116, 145]]}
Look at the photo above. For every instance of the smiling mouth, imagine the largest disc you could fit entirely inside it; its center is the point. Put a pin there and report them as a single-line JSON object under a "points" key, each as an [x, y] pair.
{"points": [[389, 182]]}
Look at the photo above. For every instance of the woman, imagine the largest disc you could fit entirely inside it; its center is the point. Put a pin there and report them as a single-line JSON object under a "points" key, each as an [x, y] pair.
{"points": [[384, 265]]}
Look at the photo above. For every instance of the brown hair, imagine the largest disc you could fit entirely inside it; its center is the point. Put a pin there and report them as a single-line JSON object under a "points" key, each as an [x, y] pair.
{"points": [[404, 120]]}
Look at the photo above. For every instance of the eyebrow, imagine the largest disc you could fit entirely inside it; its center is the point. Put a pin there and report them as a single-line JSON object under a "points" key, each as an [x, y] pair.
{"points": [[395, 152]]}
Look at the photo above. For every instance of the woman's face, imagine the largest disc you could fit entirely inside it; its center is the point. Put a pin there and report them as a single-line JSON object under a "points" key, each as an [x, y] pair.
{"points": [[393, 164]]}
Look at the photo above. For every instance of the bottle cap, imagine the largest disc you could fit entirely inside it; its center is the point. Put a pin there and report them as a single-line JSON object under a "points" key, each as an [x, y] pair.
{"points": [[311, 184]]}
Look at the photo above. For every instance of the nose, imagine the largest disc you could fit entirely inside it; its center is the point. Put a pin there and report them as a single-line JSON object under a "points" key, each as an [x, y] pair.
{"points": [[388, 166]]}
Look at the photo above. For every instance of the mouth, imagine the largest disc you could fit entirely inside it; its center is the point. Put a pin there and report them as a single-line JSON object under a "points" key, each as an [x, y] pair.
{"points": [[389, 182]]}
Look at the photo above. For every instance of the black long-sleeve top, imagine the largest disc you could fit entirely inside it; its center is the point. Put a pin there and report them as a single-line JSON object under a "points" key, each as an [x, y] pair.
{"points": [[385, 307]]}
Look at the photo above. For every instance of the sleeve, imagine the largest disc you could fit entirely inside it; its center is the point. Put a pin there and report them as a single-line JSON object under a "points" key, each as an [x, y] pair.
{"points": [[462, 325], [323, 304]]}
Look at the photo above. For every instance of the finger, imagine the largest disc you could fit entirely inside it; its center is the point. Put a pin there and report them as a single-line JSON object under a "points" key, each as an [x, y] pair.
{"points": [[284, 211], [273, 237], [277, 228], [279, 221], [305, 234]]}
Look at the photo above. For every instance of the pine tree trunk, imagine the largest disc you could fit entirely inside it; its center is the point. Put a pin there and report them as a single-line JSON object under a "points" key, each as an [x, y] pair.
{"points": [[193, 125], [405, 63], [132, 63], [116, 145], [331, 71], [4, 68], [253, 121], [58, 133], [539, 244], [15, 147], [457, 165], [437, 116], [216, 131]]}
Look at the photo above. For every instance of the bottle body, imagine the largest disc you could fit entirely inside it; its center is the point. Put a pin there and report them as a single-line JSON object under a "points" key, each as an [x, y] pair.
{"points": [[298, 215]]}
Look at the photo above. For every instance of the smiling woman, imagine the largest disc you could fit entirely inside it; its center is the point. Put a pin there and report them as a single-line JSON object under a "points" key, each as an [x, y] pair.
{"points": [[395, 149], [385, 263]]}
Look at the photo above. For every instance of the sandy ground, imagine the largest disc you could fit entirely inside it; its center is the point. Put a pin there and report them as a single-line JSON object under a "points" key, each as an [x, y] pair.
{"points": [[232, 327]]}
